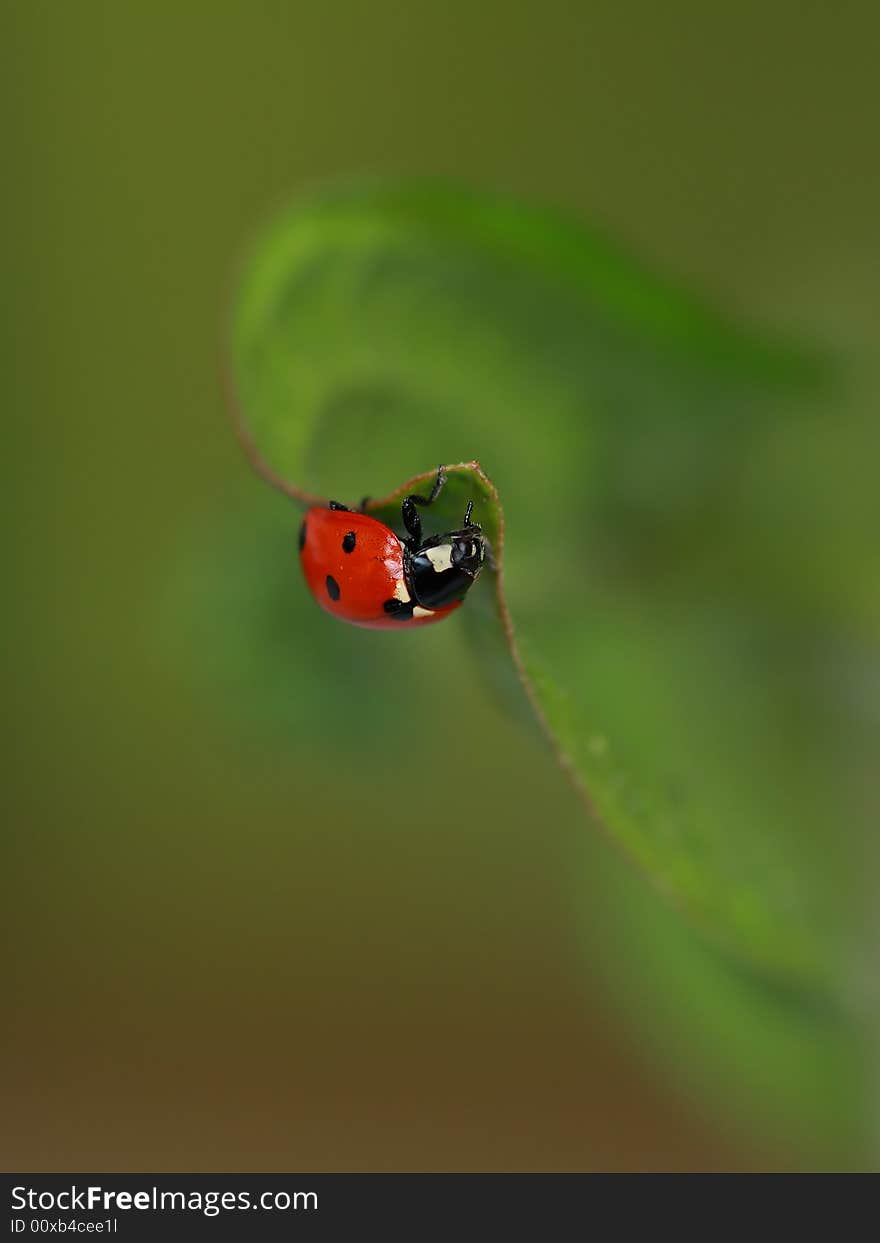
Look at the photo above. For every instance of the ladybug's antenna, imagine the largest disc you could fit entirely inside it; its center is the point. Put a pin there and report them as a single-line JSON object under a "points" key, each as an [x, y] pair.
{"points": [[467, 513]]}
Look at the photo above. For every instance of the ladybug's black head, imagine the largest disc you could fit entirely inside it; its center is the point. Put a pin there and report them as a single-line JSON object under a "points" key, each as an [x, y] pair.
{"points": [[445, 567]]}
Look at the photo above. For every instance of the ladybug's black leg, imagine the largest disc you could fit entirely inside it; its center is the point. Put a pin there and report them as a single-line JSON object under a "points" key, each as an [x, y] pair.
{"points": [[338, 505], [411, 518]]}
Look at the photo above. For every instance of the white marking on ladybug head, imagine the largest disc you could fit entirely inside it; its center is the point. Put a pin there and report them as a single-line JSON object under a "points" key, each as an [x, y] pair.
{"points": [[418, 611], [440, 557], [400, 591]]}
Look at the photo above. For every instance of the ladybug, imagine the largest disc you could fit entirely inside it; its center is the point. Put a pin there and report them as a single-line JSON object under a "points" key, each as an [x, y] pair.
{"points": [[360, 571]]}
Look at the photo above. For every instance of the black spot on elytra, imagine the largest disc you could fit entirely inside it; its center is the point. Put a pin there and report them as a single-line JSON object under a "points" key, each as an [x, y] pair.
{"points": [[349, 542], [302, 535], [332, 587], [398, 609]]}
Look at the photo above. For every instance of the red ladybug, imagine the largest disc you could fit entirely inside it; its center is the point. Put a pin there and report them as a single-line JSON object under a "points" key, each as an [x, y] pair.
{"points": [[358, 570]]}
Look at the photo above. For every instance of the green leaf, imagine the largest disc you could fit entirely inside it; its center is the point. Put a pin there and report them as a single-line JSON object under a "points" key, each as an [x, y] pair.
{"points": [[645, 611], [788, 1069]]}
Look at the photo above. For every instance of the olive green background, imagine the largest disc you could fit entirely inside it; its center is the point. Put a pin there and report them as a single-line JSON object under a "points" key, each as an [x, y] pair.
{"points": [[246, 933]]}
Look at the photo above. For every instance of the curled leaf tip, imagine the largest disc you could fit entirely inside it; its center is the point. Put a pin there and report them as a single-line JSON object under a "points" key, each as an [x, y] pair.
{"points": [[621, 418]]}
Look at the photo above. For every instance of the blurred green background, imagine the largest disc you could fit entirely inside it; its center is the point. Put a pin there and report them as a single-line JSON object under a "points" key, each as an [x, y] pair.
{"points": [[239, 938]]}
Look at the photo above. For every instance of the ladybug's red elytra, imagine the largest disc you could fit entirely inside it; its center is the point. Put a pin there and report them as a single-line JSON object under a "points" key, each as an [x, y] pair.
{"points": [[360, 571]]}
